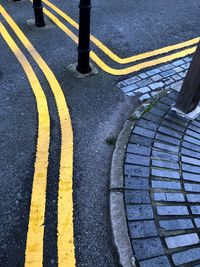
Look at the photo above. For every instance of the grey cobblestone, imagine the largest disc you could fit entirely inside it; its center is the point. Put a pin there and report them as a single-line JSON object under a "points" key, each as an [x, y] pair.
{"points": [[186, 256], [165, 164], [193, 134], [190, 160], [139, 212], [172, 210], [194, 128], [148, 248], [176, 120], [144, 132], [178, 62], [168, 139], [143, 75], [172, 174], [161, 261], [167, 131], [129, 88], [191, 146], [132, 80], [153, 71], [182, 240], [145, 82], [142, 90], [162, 106], [195, 210], [156, 77], [164, 155], [191, 177], [179, 224], [176, 86], [195, 123], [138, 149], [173, 126], [192, 187], [170, 197], [144, 97], [168, 80], [188, 152], [166, 147], [166, 185], [191, 140], [197, 222], [143, 229], [138, 171], [152, 117], [147, 124], [190, 168], [166, 67], [140, 140], [178, 69], [176, 77], [156, 85], [157, 112], [167, 73], [137, 159], [136, 197], [136, 183], [193, 197]]}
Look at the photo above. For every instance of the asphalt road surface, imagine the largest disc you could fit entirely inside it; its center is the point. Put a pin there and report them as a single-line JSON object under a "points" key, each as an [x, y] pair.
{"points": [[97, 109]]}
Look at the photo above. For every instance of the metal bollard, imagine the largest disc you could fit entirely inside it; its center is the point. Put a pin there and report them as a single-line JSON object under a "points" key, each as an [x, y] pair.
{"points": [[84, 37], [38, 11]]}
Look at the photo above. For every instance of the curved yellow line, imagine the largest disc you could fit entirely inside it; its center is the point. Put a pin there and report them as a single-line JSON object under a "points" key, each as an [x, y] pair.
{"points": [[34, 245], [66, 254], [112, 55], [124, 71]]}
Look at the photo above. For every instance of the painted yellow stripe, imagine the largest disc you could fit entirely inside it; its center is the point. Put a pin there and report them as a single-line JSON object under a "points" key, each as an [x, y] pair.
{"points": [[66, 254], [124, 71], [112, 55], [34, 245]]}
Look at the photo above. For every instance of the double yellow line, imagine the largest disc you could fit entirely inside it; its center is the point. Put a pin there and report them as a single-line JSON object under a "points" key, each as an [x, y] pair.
{"points": [[35, 236], [144, 56]]}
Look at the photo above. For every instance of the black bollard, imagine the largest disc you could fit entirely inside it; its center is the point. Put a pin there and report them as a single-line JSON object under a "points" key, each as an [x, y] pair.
{"points": [[189, 95], [84, 37], [38, 11]]}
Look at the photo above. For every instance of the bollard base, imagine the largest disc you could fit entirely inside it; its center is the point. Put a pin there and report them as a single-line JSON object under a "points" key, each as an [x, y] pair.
{"points": [[191, 115], [31, 24], [73, 69]]}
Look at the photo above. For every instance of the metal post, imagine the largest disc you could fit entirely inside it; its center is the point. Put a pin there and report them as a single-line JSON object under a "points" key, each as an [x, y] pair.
{"points": [[38, 11], [84, 37], [189, 95]]}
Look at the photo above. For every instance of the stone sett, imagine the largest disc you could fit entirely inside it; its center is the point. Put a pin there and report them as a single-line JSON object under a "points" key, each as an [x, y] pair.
{"points": [[138, 149], [139, 212], [137, 197], [173, 197], [165, 164], [182, 240], [179, 224], [161, 261], [172, 210], [137, 159], [171, 174], [143, 229], [186, 256], [136, 183], [148, 248], [166, 185], [147, 124]]}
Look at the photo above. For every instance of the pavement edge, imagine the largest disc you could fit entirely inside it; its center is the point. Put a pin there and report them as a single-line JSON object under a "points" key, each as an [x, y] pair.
{"points": [[119, 226]]}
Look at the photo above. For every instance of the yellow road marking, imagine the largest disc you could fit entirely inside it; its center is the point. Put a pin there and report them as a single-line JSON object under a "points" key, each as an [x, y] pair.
{"points": [[66, 255], [127, 70], [112, 55], [34, 246]]}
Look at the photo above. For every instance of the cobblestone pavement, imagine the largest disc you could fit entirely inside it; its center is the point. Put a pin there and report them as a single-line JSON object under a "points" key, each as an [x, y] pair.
{"points": [[162, 175], [168, 76]]}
